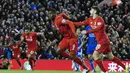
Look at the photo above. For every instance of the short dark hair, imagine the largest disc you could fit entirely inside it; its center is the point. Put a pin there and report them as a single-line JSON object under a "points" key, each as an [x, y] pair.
{"points": [[52, 14], [97, 9]]}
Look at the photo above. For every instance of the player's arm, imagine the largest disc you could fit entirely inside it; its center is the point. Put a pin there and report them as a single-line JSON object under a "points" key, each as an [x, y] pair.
{"points": [[64, 15], [3, 46], [22, 40], [85, 22], [40, 33], [83, 41], [95, 29]]}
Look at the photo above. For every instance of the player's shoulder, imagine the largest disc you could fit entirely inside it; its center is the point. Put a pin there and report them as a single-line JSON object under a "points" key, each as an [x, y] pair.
{"points": [[100, 18], [24, 34], [90, 18], [34, 33]]}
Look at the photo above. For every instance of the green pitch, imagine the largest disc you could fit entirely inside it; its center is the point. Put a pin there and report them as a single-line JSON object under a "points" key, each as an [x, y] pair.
{"points": [[44, 71]]}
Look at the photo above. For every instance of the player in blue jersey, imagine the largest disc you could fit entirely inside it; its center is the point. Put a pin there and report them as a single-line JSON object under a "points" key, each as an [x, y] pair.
{"points": [[91, 44], [79, 53]]}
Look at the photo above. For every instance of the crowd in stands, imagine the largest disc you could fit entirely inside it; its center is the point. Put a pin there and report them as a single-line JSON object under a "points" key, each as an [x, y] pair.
{"points": [[16, 14]]}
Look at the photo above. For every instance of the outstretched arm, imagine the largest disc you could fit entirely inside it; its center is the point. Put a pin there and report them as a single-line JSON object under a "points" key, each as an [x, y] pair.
{"points": [[40, 33], [3, 46], [94, 30], [64, 15], [22, 40], [85, 22]]}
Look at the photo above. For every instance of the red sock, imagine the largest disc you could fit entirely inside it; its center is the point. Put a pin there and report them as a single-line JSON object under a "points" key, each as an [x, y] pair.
{"points": [[30, 62], [77, 60], [100, 64], [116, 60], [64, 54]]}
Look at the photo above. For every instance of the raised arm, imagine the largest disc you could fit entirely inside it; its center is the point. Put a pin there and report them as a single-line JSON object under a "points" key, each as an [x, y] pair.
{"points": [[85, 22], [22, 40], [64, 15], [40, 33]]}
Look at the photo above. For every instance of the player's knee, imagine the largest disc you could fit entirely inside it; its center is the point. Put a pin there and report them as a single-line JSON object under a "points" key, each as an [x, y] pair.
{"points": [[110, 56], [72, 56], [58, 51], [95, 56], [29, 55], [90, 57]]}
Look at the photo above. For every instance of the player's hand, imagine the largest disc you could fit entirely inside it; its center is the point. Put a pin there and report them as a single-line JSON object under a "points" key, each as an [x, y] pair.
{"points": [[84, 32]]}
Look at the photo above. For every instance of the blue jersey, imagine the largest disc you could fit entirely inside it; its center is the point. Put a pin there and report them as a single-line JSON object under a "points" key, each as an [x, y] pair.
{"points": [[92, 43], [79, 52], [91, 36]]}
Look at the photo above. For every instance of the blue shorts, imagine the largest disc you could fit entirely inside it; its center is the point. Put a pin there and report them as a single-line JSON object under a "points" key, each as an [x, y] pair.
{"points": [[9, 55], [90, 48]]}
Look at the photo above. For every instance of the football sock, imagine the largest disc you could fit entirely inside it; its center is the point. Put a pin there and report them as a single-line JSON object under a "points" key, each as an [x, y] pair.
{"points": [[100, 64], [91, 64], [116, 60], [30, 63], [34, 61], [64, 54], [77, 60], [19, 63]]}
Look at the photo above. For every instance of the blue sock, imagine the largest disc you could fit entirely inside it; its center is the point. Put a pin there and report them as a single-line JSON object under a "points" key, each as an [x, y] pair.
{"points": [[91, 64]]}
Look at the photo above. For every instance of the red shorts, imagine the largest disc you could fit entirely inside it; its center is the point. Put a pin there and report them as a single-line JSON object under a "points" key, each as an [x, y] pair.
{"points": [[103, 48], [16, 56], [31, 51], [71, 44]]}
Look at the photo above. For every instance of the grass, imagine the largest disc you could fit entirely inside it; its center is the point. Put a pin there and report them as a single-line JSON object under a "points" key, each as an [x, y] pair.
{"points": [[44, 71]]}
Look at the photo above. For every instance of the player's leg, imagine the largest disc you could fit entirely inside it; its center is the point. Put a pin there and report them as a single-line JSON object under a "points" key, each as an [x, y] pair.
{"points": [[98, 60], [115, 59], [30, 55], [79, 54], [61, 47], [18, 61], [75, 66], [34, 58], [90, 50], [73, 50], [90, 58]]}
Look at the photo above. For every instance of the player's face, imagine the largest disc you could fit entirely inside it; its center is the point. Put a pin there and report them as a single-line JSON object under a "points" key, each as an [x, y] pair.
{"points": [[78, 31], [92, 12]]}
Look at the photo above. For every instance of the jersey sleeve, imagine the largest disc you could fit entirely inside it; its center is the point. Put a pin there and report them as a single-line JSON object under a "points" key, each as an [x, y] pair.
{"points": [[64, 15], [85, 22], [100, 24], [34, 34], [10, 45]]}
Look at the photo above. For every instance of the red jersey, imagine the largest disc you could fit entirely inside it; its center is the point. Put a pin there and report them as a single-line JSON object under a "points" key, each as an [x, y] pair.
{"points": [[31, 40], [98, 28], [15, 48], [65, 27]]}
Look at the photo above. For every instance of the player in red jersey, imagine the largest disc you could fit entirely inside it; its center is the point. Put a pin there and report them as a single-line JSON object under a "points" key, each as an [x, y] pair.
{"points": [[15, 46], [67, 29], [98, 28], [31, 40]]}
